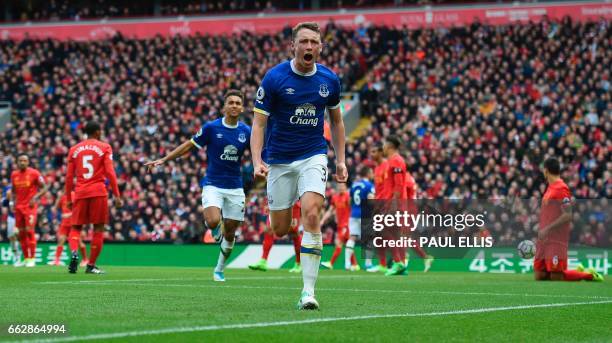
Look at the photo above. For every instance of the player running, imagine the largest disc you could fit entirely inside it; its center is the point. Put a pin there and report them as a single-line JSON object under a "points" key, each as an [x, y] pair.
{"points": [[64, 230], [550, 262], [11, 231], [361, 190], [28, 186], [222, 194], [341, 204], [380, 174], [289, 111], [91, 163], [294, 236]]}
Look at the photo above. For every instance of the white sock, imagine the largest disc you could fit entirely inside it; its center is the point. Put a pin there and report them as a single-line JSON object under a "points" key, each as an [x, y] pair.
{"points": [[348, 253], [224, 254], [310, 255], [15, 246]]}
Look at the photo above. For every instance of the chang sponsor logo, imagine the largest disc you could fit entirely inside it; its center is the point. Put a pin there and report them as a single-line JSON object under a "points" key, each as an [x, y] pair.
{"points": [[305, 114], [230, 153]]}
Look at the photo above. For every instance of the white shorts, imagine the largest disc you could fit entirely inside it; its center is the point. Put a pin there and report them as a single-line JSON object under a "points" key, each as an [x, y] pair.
{"points": [[355, 226], [10, 227], [229, 201], [288, 182]]}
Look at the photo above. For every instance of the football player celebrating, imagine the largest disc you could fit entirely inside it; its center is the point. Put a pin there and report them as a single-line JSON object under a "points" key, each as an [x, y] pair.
{"points": [[226, 140], [289, 111]]}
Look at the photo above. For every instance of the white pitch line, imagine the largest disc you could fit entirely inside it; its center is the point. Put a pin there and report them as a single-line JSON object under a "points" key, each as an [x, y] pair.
{"points": [[305, 321], [102, 281], [323, 289]]}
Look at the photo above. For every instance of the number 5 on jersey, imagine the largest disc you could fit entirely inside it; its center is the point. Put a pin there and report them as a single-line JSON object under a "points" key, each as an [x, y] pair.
{"points": [[87, 165]]}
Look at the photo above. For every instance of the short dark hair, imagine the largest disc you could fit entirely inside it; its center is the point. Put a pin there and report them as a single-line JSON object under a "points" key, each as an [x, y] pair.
{"points": [[91, 127], [365, 171], [553, 166], [311, 25], [233, 92], [394, 140], [23, 154]]}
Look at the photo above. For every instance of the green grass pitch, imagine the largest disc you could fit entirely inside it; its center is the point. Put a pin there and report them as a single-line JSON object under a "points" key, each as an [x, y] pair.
{"points": [[139, 304]]}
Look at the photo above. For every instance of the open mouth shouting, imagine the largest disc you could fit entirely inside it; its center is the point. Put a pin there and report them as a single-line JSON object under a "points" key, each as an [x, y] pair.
{"points": [[308, 57]]}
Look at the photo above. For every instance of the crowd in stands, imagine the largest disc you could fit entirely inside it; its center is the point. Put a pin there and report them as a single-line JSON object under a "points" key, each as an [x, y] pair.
{"points": [[75, 10], [151, 95], [478, 109]]}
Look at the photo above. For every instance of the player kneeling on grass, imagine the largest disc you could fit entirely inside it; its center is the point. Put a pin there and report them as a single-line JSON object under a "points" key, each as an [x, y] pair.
{"points": [[550, 262], [222, 195], [91, 162]]}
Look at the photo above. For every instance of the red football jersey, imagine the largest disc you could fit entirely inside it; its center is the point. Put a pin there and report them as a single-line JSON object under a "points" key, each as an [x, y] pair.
{"points": [[410, 187], [342, 203], [380, 174], [25, 185], [556, 197], [91, 162], [395, 178]]}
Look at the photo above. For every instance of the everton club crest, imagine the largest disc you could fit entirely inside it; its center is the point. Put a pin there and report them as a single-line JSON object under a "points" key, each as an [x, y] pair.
{"points": [[323, 90]]}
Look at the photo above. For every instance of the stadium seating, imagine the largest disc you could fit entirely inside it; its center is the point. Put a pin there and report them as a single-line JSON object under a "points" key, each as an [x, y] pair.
{"points": [[478, 108]]}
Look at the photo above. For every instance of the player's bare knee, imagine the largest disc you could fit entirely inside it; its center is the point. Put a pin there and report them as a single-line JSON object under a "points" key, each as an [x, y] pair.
{"points": [[212, 220], [229, 229], [311, 217], [280, 227]]}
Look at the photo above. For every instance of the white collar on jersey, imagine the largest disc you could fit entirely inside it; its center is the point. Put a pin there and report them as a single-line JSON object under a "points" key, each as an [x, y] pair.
{"points": [[294, 69], [227, 125]]}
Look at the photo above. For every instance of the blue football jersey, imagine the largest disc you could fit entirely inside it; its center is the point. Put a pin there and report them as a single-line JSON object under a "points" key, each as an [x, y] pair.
{"points": [[295, 104], [5, 200], [225, 146], [359, 195]]}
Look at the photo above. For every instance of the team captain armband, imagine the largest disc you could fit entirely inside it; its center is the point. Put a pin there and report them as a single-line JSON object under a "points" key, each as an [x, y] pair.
{"points": [[566, 202]]}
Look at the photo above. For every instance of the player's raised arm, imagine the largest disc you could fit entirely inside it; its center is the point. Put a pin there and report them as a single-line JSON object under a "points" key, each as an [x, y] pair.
{"points": [[174, 154], [257, 138], [338, 141]]}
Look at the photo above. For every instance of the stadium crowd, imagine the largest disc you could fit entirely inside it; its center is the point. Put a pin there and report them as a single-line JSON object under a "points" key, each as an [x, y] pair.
{"points": [[477, 107], [56, 10], [151, 95]]}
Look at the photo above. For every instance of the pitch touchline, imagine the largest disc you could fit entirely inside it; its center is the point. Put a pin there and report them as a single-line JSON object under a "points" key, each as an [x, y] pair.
{"points": [[361, 290], [305, 321]]}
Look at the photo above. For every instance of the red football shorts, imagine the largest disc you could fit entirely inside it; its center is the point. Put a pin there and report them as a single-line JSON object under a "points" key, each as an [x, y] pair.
{"points": [[550, 265], [64, 230], [90, 211], [343, 234], [25, 217]]}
